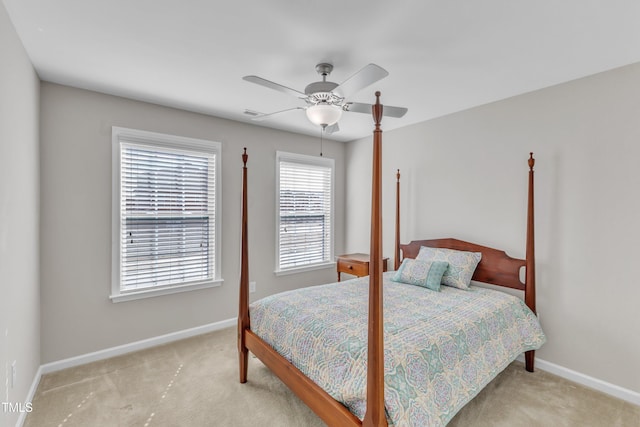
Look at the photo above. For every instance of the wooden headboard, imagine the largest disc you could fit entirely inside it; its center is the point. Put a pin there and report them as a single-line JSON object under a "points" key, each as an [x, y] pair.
{"points": [[495, 267]]}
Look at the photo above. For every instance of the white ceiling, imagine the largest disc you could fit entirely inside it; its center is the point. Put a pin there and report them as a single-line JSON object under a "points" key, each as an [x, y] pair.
{"points": [[443, 56]]}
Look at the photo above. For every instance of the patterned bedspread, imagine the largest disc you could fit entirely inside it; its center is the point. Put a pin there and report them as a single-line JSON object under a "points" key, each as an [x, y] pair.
{"points": [[441, 348]]}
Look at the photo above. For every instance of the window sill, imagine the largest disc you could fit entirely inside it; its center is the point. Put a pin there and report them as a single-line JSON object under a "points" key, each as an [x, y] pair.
{"points": [[154, 292], [305, 268]]}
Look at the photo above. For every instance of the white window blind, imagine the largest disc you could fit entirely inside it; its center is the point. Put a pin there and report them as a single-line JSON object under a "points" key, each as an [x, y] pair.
{"points": [[305, 211], [167, 227]]}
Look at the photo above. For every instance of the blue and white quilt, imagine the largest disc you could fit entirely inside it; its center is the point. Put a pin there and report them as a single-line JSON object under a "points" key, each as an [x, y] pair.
{"points": [[441, 348]]}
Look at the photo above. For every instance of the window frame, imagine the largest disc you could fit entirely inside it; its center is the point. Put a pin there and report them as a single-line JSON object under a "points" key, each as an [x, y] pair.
{"points": [[310, 161], [167, 142]]}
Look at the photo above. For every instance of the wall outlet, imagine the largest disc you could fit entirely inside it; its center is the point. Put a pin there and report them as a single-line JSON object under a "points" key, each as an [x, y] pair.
{"points": [[14, 374], [252, 287]]}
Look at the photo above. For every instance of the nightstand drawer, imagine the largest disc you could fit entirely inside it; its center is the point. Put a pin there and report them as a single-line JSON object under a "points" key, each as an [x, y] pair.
{"points": [[356, 264], [353, 267]]}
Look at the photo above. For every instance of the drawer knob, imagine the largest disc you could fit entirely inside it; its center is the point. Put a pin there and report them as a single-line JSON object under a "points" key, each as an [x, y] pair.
{"points": [[350, 267]]}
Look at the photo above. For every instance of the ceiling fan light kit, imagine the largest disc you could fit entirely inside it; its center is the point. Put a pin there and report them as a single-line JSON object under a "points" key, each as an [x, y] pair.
{"points": [[326, 100], [324, 114]]}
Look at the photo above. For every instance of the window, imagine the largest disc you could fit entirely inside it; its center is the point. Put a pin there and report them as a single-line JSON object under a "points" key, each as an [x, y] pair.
{"points": [[304, 207], [165, 224]]}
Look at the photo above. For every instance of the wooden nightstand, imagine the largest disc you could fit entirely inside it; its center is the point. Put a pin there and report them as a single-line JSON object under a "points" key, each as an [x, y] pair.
{"points": [[356, 264]]}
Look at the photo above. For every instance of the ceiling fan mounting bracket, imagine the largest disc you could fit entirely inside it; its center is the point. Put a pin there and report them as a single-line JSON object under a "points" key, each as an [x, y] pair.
{"points": [[324, 69]]}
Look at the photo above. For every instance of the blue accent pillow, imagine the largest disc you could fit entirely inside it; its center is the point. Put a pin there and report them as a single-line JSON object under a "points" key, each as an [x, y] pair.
{"points": [[427, 274], [462, 264]]}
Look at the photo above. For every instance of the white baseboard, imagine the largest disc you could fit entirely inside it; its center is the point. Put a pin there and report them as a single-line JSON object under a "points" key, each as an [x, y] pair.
{"points": [[134, 346], [30, 394], [585, 380]]}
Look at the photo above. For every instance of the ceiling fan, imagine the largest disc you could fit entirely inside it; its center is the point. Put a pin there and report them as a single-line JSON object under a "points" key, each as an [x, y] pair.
{"points": [[325, 100]]}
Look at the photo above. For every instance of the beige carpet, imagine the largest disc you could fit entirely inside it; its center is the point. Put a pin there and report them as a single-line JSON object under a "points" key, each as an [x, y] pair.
{"points": [[193, 382]]}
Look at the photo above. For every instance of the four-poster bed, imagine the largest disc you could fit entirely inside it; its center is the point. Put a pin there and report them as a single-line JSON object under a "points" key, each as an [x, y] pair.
{"points": [[432, 360]]}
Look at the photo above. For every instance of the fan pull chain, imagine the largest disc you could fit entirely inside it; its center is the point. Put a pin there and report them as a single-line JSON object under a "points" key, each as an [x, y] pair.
{"points": [[322, 128]]}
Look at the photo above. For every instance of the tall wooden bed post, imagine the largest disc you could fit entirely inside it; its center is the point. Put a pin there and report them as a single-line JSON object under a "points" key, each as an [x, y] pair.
{"points": [[375, 414], [396, 253], [243, 309], [530, 278]]}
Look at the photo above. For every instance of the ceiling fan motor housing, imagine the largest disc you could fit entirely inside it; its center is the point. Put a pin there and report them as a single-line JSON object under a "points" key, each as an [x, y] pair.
{"points": [[320, 87], [328, 98]]}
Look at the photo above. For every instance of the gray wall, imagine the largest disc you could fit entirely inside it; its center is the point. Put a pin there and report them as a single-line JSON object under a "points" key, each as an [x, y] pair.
{"points": [[77, 315], [19, 214], [464, 176]]}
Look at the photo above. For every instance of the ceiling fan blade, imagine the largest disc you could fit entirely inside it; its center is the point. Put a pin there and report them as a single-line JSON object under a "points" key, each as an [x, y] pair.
{"points": [[261, 117], [275, 86], [332, 129], [363, 78], [387, 110]]}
